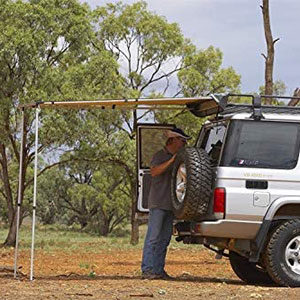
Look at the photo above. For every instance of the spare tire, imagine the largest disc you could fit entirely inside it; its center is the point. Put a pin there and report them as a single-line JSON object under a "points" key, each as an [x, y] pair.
{"points": [[191, 183]]}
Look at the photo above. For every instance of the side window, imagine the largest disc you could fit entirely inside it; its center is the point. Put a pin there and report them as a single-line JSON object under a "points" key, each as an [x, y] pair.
{"points": [[262, 144], [212, 140]]}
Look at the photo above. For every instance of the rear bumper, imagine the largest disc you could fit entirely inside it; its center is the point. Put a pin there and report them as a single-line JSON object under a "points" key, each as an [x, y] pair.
{"points": [[228, 229]]}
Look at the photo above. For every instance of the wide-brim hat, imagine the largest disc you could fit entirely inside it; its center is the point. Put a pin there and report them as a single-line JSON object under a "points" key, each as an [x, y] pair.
{"points": [[177, 132]]}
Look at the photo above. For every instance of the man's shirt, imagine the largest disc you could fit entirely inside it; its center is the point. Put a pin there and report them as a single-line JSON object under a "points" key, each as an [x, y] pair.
{"points": [[160, 190]]}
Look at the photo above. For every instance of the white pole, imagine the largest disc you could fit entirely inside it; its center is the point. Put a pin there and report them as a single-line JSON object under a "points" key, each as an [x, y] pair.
{"points": [[37, 110], [19, 197]]}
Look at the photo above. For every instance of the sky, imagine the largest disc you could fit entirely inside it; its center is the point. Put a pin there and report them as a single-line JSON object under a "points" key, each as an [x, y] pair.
{"points": [[236, 27]]}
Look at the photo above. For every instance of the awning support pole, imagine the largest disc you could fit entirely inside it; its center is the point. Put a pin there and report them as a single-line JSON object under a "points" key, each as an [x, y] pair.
{"points": [[37, 110], [19, 196]]}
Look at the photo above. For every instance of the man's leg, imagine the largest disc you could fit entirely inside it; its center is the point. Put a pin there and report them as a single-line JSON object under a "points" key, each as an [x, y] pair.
{"points": [[163, 243], [155, 222]]}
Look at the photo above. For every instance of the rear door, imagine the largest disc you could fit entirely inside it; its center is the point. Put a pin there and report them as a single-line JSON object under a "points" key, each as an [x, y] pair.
{"points": [[150, 139]]}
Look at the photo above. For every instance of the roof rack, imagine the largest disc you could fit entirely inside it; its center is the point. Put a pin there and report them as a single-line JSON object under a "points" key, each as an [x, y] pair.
{"points": [[256, 108], [248, 108]]}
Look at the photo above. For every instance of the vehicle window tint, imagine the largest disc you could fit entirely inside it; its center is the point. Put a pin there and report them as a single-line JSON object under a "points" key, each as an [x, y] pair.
{"points": [[212, 141], [262, 144], [213, 136]]}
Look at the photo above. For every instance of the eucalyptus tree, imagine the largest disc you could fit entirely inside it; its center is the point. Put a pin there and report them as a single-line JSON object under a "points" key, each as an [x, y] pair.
{"points": [[45, 49], [149, 51], [90, 193], [270, 87]]}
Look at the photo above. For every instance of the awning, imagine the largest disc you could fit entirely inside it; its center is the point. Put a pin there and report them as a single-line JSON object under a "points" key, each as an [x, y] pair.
{"points": [[200, 106]]}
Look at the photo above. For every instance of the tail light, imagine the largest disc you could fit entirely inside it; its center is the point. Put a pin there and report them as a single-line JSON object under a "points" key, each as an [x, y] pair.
{"points": [[219, 200]]}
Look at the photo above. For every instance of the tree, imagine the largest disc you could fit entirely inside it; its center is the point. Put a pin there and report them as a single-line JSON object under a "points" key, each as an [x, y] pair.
{"points": [[269, 58], [89, 193], [112, 156], [149, 50], [49, 51], [52, 187], [42, 43]]}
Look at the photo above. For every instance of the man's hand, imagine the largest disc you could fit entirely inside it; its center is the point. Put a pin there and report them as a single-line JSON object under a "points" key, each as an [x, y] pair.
{"points": [[173, 158], [157, 170]]}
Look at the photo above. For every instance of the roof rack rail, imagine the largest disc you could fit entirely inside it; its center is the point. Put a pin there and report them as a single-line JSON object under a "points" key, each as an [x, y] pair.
{"points": [[256, 108], [263, 96]]}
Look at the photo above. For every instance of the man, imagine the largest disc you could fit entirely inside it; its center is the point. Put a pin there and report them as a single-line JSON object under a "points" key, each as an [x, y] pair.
{"points": [[160, 223]]}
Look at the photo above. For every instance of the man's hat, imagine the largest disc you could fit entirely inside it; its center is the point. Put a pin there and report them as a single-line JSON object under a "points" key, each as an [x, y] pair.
{"points": [[177, 132]]}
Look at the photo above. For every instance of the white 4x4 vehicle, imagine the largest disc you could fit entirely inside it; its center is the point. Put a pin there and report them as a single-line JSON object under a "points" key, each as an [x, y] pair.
{"points": [[237, 191]]}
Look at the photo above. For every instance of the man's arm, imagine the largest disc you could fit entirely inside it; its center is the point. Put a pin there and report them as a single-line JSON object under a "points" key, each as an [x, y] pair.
{"points": [[157, 170]]}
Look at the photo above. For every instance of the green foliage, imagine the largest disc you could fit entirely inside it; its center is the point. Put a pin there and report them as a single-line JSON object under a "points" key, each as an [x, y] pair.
{"points": [[202, 74], [52, 187], [61, 50], [46, 53], [148, 48], [90, 193]]}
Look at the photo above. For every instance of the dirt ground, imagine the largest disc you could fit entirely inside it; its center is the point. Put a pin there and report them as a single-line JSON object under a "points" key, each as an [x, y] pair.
{"points": [[115, 274]]}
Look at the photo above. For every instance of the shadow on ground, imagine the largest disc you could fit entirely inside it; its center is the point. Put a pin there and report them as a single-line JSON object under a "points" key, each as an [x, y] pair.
{"points": [[74, 276]]}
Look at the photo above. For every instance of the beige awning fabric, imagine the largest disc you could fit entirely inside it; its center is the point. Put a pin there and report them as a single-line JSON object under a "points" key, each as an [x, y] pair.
{"points": [[199, 106], [118, 103]]}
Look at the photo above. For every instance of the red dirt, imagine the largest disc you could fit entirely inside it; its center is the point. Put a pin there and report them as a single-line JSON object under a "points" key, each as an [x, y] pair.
{"points": [[115, 275]]}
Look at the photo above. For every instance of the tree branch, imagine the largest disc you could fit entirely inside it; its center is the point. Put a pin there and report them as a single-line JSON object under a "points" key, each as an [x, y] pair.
{"points": [[167, 85], [178, 93], [264, 56], [118, 48], [144, 114], [55, 59], [47, 168], [152, 80], [294, 102]]}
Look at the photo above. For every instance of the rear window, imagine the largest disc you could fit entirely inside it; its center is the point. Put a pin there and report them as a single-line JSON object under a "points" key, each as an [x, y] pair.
{"points": [[261, 144]]}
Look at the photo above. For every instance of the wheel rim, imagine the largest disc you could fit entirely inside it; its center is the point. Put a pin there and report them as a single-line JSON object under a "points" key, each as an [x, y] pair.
{"points": [[181, 183], [292, 255]]}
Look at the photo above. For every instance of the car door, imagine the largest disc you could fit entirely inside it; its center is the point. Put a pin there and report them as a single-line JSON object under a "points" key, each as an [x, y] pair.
{"points": [[150, 139]]}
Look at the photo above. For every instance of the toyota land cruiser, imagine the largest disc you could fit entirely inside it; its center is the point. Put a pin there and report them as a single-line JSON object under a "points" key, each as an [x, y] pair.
{"points": [[237, 191]]}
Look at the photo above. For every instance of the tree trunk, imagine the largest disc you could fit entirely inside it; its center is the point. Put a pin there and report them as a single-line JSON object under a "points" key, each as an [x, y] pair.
{"points": [[10, 240], [134, 222], [135, 234], [294, 102], [104, 227], [11, 237], [269, 58], [6, 184]]}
